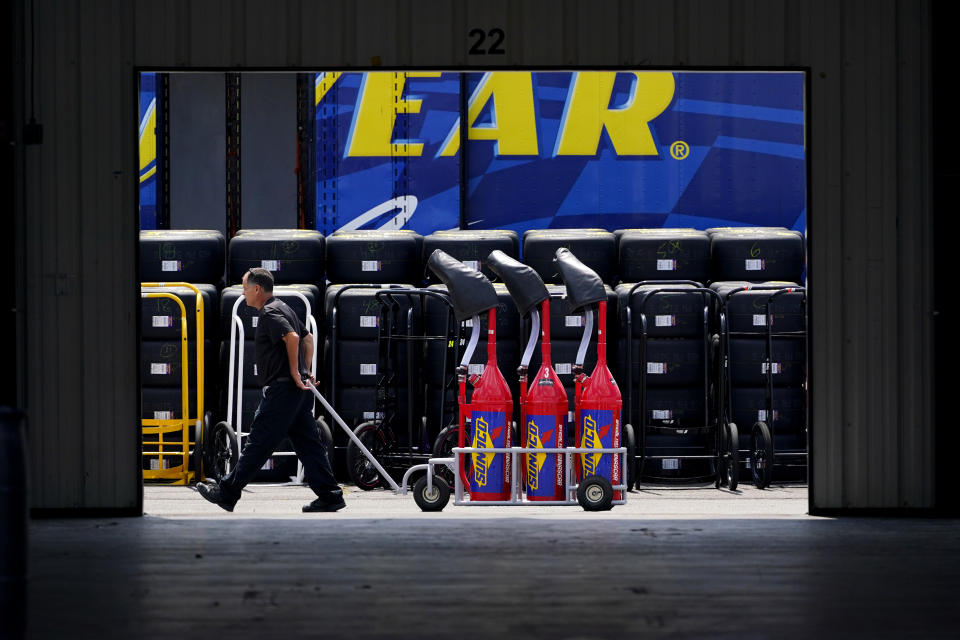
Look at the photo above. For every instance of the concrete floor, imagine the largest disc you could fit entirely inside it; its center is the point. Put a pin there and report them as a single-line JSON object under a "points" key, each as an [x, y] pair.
{"points": [[652, 501], [677, 562]]}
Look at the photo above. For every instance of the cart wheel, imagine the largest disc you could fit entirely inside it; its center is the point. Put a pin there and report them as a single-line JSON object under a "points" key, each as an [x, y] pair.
{"points": [[630, 440], [720, 459], [198, 443], [435, 501], [443, 448], [595, 493], [731, 456], [220, 450], [718, 464], [761, 455], [361, 471], [326, 436]]}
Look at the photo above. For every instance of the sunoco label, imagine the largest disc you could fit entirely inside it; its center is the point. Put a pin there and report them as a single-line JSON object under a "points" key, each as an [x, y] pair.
{"points": [[488, 433], [544, 471], [598, 433]]}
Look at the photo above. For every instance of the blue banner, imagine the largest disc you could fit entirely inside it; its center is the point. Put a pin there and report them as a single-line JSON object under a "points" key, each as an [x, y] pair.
{"points": [[561, 149], [604, 149], [148, 150]]}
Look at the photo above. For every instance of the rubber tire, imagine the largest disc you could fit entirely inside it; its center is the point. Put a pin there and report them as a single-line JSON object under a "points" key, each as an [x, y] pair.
{"points": [[731, 456], [630, 442], [436, 502], [595, 493], [326, 436], [220, 446], [361, 472], [761, 449]]}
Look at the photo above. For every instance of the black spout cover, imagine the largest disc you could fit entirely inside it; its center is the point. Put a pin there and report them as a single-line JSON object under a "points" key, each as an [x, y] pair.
{"points": [[524, 284], [470, 291], [584, 286]]}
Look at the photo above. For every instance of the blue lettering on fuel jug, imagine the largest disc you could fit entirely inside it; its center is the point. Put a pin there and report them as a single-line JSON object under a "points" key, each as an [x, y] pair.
{"points": [[597, 433], [488, 433], [542, 468]]}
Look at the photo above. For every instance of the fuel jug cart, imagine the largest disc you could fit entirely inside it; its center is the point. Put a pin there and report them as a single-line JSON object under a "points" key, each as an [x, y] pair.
{"points": [[494, 477], [543, 407], [676, 316]]}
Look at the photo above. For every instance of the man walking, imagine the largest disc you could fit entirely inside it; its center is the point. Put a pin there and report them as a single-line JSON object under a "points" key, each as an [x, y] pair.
{"points": [[284, 352]]}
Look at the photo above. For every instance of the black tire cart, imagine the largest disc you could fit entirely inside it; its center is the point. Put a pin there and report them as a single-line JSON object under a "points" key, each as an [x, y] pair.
{"points": [[676, 342], [396, 433], [768, 373]]}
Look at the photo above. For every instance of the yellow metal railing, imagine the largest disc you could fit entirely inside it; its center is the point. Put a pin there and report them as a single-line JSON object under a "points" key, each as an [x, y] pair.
{"points": [[177, 447]]}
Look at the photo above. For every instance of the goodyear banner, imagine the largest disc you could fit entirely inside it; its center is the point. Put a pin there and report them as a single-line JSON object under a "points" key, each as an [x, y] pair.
{"points": [[560, 149]]}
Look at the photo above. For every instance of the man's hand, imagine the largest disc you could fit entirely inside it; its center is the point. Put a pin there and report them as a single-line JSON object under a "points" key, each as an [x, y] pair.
{"points": [[303, 378]]}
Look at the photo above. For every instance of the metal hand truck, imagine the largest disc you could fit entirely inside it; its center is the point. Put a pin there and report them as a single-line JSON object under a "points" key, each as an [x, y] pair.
{"points": [[179, 428], [762, 455], [379, 434], [226, 437], [725, 438]]}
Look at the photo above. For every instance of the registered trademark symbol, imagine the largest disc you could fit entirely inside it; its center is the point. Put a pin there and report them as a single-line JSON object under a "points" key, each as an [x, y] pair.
{"points": [[679, 150]]}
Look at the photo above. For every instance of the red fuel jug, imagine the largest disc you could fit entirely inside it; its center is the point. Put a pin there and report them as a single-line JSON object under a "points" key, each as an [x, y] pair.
{"points": [[543, 406], [597, 400], [490, 410]]}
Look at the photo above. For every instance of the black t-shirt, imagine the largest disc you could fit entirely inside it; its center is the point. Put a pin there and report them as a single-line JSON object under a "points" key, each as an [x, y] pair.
{"points": [[276, 320]]}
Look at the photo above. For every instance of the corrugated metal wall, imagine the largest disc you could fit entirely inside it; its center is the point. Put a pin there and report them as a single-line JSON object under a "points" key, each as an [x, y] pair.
{"points": [[78, 292], [870, 217]]}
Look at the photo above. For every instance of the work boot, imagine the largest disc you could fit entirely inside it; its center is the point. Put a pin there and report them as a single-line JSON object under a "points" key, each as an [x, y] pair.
{"points": [[325, 504], [211, 491]]}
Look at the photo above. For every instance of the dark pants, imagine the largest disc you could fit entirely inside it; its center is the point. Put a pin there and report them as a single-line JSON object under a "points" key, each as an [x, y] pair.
{"points": [[285, 410]]}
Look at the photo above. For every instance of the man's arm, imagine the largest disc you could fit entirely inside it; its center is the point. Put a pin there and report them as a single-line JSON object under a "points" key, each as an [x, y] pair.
{"points": [[306, 348], [292, 342]]}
